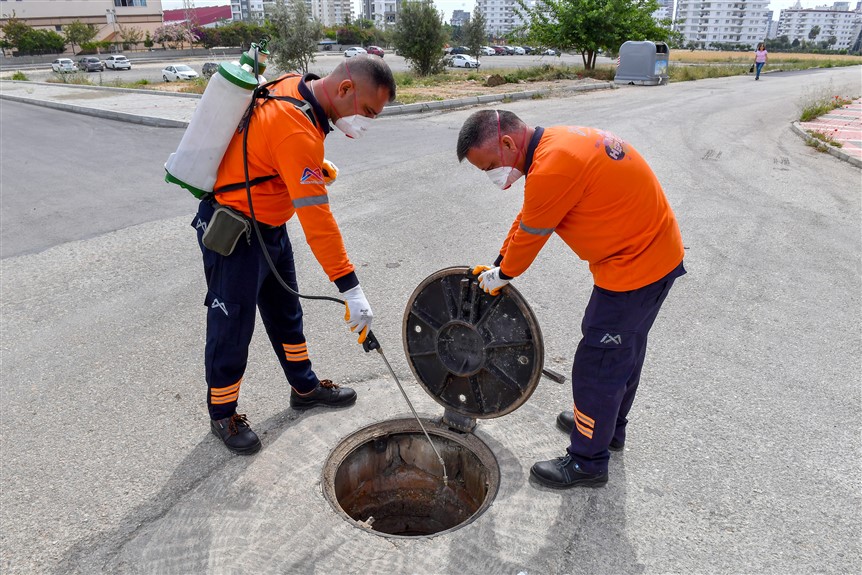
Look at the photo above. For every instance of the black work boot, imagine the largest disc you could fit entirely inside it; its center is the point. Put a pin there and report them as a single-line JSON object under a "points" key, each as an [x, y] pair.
{"points": [[326, 394], [566, 422], [563, 472], [236, 434]]}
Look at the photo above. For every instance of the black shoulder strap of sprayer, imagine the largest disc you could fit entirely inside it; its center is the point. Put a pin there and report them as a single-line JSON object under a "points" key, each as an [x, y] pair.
{"points": [[262, 92]]}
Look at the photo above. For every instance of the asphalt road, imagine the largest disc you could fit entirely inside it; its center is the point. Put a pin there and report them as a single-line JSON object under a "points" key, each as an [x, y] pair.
{"points": [[744, 446], [323, 64]]}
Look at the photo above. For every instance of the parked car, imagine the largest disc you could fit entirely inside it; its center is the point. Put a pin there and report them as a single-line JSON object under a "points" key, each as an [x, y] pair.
{"points": [[499, 50], [487, 50], [549, 52], [355, 51], [459, 50], [63, 65], [529, 49], [510, 50], [376, 50], [208, 69], [90, 64], [519, 51], [118, 62], [464, 61], [178, 72]]}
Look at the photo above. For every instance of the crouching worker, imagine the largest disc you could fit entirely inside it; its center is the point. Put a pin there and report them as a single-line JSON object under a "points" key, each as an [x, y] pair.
{"points": [[288, 173], [603, 200]]}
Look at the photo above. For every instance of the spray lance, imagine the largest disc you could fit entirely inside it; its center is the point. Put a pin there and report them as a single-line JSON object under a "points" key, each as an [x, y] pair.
{"points": [[225, 107]]}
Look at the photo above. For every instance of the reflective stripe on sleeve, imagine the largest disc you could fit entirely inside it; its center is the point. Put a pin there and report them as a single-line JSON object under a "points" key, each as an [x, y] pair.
{"points": [[537, 231], [310, 201]]}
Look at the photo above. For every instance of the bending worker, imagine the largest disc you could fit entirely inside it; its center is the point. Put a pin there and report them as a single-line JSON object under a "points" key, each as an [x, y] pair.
{"points": [[289, 174], [600, 196]]}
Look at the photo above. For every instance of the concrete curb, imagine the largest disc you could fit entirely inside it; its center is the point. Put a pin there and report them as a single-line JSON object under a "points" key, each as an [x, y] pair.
{"points": [[99, 113], [421, 107], [837, 152], [105, 88]]}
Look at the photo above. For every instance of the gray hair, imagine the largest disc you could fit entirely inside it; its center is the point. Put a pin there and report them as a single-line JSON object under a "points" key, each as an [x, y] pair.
{"points": [[482, 126]]}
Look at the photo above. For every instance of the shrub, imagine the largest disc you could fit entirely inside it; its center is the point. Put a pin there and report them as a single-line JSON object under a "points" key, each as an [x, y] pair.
{"points": [[21, 76]]}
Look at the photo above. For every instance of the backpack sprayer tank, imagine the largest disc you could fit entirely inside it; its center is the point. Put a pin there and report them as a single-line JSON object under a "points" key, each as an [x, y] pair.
{"points": [[194, 166]]}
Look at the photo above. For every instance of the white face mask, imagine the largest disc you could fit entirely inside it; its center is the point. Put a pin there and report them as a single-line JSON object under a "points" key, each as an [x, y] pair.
{"points": [[353, 126], [504, 176]]}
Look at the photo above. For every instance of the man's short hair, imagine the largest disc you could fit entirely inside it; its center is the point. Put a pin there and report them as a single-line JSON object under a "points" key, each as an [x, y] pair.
{"points": [[371, 69], [482, 125]]}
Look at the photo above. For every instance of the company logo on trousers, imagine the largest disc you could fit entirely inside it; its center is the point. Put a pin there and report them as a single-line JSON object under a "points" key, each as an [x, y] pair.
{"points": [[608, 338], [201, 224], [217, 304]]}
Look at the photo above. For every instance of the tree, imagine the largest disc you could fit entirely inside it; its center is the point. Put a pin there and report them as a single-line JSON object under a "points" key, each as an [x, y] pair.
{"points": [[419, 36], [14, 30], [174, 34], [148, 40], [78, 33], [814, 32], [587, 26], [131, 36], [831, 41], [41, 42], [295, 35], [473, 32]]}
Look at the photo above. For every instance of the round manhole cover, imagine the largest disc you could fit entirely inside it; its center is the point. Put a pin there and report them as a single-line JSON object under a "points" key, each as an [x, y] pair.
{"points": [[478, 355], [386, 478]]}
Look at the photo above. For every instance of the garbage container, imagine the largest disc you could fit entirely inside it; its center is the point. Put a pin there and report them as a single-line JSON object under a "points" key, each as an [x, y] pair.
{"points": [[643, 63]]}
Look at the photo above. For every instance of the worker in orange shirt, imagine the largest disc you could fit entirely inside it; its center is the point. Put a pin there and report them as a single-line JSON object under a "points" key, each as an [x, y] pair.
{"points": [[288, 173], [602, 199]]}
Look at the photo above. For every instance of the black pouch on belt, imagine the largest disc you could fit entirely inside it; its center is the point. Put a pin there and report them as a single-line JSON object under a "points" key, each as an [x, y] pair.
{"points": [[224, 230]]}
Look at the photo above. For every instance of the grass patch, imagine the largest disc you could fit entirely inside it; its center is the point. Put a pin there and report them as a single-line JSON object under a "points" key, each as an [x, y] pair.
{"points": [[79, 78], [20, 76], [196, 86], [707, 56], [682, 73], [816, 102], [825, 138]]}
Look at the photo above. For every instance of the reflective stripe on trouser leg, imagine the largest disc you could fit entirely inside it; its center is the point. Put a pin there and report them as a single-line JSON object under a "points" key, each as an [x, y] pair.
{"points": [[608, 363], [230, 301], [281, 313]]}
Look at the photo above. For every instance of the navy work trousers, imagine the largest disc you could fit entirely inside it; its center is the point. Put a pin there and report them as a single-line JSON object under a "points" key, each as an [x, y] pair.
{"points": [[237, 284], [607, 366]]}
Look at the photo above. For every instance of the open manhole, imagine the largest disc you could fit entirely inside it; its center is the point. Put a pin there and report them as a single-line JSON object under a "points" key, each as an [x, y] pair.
{"points": [[480, 357], [387, 478]]}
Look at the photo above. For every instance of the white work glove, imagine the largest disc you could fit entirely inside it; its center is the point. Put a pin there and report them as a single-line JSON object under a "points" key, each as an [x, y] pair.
{"points": [[330, 172], [489, 279], [357, 312]]}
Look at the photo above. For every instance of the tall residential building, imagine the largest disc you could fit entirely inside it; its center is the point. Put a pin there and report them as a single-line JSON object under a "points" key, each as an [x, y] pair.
{"points": [[708, 22], [327, 12], [382, 12], [665, 10], [459, 17], [837, 21], [500, 16], [109, 17]]}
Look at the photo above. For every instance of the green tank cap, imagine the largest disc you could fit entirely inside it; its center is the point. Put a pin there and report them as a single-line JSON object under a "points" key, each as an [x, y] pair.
{"points": [[238, 76], [247, 60]]}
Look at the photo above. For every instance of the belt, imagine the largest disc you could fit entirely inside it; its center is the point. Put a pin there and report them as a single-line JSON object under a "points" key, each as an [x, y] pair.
{"points": [[264, 226]]}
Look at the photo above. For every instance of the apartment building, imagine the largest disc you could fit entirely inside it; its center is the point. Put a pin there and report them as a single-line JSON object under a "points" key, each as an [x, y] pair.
{"points": [[665, 10], [384, 13], [836, 21], [459, 18], [708, 22], [500, 16], [327, 12], [109, 17]]}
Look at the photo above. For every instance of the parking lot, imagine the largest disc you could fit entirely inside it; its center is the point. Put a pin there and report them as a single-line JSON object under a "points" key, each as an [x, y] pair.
{"points": [[151, 70]]}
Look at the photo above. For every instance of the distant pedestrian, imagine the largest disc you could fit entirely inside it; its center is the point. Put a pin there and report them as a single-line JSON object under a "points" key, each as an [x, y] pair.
{"points": [[760, 57]]}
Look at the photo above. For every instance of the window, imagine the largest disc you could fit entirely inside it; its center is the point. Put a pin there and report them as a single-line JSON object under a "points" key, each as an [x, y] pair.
{"points": [[130, 2]]}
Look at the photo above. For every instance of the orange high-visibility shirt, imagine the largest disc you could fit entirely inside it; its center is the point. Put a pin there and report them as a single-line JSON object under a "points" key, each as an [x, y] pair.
{"points": [[599, 195], [283, 141]]}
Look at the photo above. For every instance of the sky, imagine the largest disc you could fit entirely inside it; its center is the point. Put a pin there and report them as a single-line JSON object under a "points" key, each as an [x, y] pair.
{"points": [[447, 6]]}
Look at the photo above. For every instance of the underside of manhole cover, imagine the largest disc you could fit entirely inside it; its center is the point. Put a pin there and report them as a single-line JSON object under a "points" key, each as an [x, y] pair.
{"points": [[386, 478]]}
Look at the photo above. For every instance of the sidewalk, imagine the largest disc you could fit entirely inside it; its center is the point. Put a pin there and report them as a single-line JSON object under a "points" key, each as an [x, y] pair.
{"points": [[174, 110], [842, 125]]}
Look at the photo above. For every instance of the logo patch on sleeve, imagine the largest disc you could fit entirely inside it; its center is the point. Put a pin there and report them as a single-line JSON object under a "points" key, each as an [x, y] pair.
{"points": [[310, 176]]}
